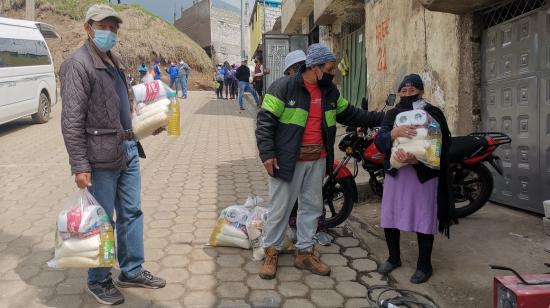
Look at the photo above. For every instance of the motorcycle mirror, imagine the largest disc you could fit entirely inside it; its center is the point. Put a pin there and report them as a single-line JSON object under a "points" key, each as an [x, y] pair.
{"points": [[390, 101]]}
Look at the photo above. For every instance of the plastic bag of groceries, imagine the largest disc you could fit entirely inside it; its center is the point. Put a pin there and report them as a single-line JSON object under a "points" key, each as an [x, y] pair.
{"points": [[230, 229], [152, 107], [254, 228], [426, 145], [84, 234]]}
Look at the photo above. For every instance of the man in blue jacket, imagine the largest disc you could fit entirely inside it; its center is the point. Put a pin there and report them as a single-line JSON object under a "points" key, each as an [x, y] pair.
{"points": [[296, 131], [173, 73], [156, 70]]}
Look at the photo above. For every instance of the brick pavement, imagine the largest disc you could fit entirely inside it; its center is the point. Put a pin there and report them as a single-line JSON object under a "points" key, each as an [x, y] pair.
{"points": [[185, 183]]}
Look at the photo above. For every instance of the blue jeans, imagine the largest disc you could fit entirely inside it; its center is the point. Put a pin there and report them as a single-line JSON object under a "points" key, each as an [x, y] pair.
{"points": [[120, 191], [247, 87], [173, 82], [183, 82]]}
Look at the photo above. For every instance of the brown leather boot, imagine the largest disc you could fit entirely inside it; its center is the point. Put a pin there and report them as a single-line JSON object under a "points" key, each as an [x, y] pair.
{"points": [[309, 260], [268, 270]]}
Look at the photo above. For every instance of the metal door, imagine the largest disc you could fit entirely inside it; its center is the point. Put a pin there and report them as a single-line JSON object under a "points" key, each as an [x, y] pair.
{"points": [[512, 103], [544, 60], [354, 84], [276, 47]]}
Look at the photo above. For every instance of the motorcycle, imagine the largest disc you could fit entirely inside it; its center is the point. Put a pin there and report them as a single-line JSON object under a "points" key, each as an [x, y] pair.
{"points": [[472, 182]]}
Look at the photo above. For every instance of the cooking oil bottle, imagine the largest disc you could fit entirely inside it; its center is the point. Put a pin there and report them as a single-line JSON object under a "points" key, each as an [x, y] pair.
{"points": [[107, 256], [174, 119]]}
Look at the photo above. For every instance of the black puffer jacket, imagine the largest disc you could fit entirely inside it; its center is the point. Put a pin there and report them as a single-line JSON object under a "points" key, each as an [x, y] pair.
{"points": [[282, 120]]}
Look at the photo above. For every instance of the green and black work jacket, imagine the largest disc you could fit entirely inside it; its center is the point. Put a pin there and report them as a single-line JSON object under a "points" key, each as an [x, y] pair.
{"points": [[283, 116]]}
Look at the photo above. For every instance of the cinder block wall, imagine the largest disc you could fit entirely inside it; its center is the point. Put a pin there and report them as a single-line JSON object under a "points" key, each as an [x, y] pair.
{"points": [[403, 37], [226, 36], [195, 22]]}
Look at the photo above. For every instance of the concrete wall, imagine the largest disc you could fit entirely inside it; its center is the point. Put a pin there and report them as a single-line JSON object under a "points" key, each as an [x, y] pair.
{"points": [[226, 36], [403, 37], [460, 6], [195, 22], [256, 24]]}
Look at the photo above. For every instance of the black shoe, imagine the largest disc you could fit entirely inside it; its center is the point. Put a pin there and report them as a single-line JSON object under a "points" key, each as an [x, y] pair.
{"points": [[387, 267], [106, 293], [420, 277], [242, 108], [143, 280]]}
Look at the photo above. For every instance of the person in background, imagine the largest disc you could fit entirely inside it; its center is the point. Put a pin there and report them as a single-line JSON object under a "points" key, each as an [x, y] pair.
{"points": [[172, 72], [234, 82], [218, 79], [258, 79], [415, 196], [96, 98], [156, 70], [243, 75], [142, 69], [295, 134], [183, 76], [295, 61], [227, 78]]}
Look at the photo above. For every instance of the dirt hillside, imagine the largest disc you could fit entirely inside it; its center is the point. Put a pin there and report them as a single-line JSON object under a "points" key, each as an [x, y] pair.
{"points": [[143, 37]]}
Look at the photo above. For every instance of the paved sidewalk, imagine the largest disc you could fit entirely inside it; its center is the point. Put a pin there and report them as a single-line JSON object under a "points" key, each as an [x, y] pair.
{"points": [[185, 183]]}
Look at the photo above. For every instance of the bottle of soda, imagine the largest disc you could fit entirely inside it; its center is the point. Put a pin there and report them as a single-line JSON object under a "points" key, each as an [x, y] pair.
{"points": [[107, 253], [174, 118]]}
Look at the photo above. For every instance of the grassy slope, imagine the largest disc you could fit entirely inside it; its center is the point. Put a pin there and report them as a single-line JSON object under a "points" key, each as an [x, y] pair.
{"points": [[143, 36]]}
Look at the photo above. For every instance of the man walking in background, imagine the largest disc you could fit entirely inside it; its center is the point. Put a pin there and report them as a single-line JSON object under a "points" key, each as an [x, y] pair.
{"points": [[172, 71], [234, 81], [104, 156], [183, 76], [156, 70], [243, 75], [142, 71]]}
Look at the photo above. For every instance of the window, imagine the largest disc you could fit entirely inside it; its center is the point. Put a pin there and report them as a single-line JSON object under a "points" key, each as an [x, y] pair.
{"points": [[509, 10], [19, 52]]}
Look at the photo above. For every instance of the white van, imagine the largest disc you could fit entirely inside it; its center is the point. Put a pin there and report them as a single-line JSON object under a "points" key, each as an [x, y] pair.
{"points": [[27, 79]]}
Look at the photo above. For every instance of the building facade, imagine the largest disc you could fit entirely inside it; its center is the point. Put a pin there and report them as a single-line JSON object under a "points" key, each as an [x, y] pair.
{"points": [[216, 29], [485, 63], [262, 19]]}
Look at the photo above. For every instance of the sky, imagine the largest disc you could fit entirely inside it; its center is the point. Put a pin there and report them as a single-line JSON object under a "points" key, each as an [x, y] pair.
{"points": [[165, 8]]}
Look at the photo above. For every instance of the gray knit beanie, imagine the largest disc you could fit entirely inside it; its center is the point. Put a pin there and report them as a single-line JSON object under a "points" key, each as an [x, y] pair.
{"points": [[319, 54]]}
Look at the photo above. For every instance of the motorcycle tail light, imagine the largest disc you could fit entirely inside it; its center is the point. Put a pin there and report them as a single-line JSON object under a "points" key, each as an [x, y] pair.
{"points": [[510, 292]]}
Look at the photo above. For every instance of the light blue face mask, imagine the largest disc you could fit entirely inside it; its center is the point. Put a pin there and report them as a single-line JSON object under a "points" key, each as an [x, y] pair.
{"points": [[104, 40]]}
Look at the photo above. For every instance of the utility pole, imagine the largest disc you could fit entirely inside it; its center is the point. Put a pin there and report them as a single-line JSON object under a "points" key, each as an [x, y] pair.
{"points": [[174, 13], [29, 9], [243, 51]]}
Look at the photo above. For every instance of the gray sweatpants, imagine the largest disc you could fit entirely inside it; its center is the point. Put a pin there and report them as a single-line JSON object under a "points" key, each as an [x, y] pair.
{"points": [[307, 186]]}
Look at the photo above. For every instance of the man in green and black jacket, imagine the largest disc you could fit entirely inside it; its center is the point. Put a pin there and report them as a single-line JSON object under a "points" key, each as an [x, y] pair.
{"points": [[296, 131]]}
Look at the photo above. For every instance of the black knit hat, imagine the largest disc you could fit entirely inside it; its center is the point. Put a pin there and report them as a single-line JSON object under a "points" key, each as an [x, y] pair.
{"points": [[413, 80]]}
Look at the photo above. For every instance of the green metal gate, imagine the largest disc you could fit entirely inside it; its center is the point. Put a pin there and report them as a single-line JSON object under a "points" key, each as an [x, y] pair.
{"points": [[354, 83]]}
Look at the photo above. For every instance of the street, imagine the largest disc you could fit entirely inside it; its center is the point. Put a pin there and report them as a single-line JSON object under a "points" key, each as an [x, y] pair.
{"points": [[185, 182]]}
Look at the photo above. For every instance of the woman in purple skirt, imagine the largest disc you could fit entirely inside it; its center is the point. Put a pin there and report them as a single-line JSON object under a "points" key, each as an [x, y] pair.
{"points": [[416, 198]]}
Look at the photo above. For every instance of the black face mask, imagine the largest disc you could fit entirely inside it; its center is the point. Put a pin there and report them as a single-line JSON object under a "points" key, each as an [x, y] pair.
{"points": [[408, 100], [326, 80]]}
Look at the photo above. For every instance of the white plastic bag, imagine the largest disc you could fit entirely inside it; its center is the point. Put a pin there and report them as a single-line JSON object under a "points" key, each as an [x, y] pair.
{"points": [[149, 91], [84, 236], [81, 215], [254, 227], [426, 145], [230, 229]]}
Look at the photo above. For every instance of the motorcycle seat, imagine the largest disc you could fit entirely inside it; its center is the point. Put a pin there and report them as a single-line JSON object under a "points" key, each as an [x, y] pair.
{"points": [[465, 147]]}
